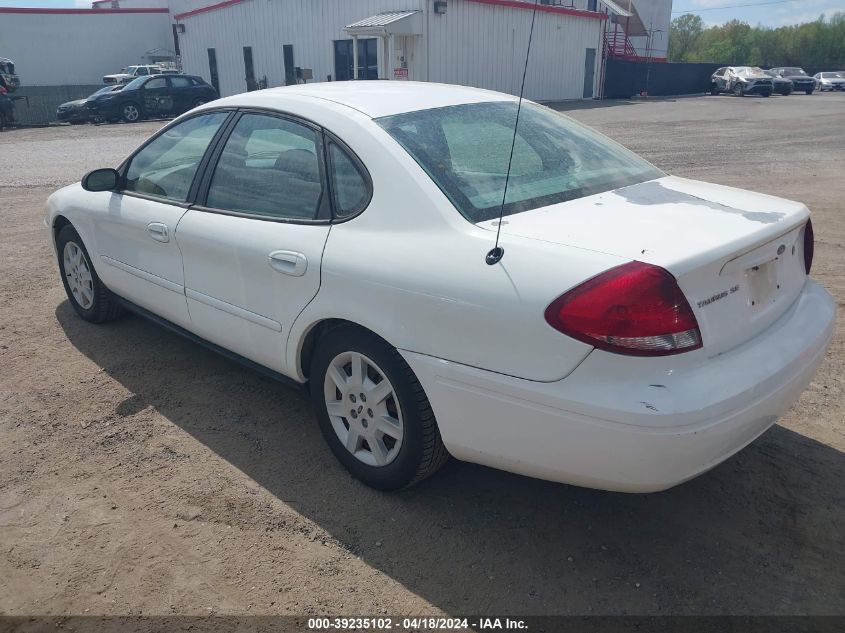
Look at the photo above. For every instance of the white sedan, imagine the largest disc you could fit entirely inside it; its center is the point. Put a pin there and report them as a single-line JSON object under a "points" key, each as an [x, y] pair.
{"points": [[638, 330]]}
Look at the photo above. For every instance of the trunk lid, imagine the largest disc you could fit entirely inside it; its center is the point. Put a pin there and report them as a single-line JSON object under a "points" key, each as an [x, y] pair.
{"points": [[737, 255]]}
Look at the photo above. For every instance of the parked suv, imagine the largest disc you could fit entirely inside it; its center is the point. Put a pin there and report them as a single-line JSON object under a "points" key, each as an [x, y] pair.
{"points": [[741, 81], [800, 80], [153, 96]]}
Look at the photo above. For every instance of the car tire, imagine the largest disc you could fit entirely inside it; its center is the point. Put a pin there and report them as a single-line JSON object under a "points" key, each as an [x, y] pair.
{"points": [[88, 296], [739, 90], [766, 94], [786, 93], [130, 112], [2, 121], [809, 91], [77, 122], [714, 89], [407, 446]]}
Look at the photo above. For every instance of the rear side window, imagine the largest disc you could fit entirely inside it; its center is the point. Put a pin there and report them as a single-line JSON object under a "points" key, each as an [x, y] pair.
{"points": [[155, 82], [165, 167], [180, 82], [269, 167], [351, 192]]}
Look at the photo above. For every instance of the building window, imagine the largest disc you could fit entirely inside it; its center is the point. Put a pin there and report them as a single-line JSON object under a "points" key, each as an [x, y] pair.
{"points": [[367, 59], [592, 5], [249, 69], [212, 69]]}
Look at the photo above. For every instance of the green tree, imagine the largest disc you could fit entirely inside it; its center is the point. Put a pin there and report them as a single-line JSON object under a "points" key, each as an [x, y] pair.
{"points": [[814, 45], [684, 32]]}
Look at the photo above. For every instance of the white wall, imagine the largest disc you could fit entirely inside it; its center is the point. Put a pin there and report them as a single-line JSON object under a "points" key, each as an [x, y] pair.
{"points": [[484, 46], [60, 49], [656, 15], [473, 44]]}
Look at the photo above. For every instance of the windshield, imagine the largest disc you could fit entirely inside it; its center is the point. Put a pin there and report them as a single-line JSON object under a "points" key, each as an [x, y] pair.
{"points": [[745, 71], [793, 71], [103, 91], [135, 84], [831, 76], [465, 150]]}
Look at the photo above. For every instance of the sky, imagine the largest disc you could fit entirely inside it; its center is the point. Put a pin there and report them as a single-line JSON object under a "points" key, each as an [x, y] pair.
{"points": [[772, 13], [766, 12]]}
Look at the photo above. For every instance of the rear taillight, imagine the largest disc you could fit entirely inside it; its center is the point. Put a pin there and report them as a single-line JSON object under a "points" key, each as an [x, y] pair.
{"points": [[636, 309], [809, 246]]}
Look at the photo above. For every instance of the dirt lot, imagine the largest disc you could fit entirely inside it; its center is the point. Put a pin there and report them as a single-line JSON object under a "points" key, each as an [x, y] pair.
{"points": [[143, 474]]}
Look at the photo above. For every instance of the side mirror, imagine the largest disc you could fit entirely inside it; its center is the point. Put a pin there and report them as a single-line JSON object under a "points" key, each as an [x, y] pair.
{"points": [[101, 180]]}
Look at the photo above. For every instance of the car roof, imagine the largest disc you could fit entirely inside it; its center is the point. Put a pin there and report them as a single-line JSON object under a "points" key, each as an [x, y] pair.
{"points": [[373, 98]]}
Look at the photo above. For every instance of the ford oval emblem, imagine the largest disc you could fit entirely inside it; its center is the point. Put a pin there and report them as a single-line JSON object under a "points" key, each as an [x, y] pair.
{"points": [[781, 249]]}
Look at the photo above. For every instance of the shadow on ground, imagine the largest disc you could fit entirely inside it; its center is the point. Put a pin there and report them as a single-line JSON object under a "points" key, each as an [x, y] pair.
{"points": [[761, 534]]}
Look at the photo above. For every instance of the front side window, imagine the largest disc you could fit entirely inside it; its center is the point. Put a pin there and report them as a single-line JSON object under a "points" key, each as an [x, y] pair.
{"points": [[155, 82], [350, 187], [465, 150], [269, 167], [165, 168]]}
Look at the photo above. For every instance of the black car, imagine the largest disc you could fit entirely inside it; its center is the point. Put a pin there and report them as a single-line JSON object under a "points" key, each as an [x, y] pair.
{"points": [[152, 96], [801, 81], [76, 112]]}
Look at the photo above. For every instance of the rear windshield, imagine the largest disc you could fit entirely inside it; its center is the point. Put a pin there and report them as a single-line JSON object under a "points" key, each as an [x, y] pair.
{"points": [[465, 150]]}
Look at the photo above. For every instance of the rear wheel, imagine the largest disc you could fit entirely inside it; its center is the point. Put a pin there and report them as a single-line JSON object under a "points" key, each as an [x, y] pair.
{"points": [[86, 293], [739, 90], [373, 411], [130, 112]]}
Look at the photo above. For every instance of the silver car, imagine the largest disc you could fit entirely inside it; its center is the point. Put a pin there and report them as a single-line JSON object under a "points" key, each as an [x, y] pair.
{"points": [[829, 81]]}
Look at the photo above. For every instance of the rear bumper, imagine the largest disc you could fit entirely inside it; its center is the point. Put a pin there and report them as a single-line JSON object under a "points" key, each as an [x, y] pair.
{"points": [[630, 424]]}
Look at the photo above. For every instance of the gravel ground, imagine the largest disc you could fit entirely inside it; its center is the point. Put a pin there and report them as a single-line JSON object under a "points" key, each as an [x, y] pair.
{"points": [[143, 474]]}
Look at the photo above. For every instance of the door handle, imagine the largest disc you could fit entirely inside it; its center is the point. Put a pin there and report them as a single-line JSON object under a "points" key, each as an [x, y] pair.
{"points": [[158, 231], [288, 262]]}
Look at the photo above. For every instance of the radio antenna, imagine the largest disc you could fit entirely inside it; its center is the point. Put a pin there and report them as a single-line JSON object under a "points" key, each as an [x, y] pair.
{"points": [[496, 254]]}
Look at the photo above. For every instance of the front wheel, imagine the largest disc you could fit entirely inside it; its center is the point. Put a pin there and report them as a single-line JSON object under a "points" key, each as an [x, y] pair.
{"points": [[130, 112], [809, 91], [714, 89], [86, 293], [373, 411]]}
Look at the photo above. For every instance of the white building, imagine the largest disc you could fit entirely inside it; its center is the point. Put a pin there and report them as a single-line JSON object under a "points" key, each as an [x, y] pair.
{"points": [[76, 47], [236, 44]]}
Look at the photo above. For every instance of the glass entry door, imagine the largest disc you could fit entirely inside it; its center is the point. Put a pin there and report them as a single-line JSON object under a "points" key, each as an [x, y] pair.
{"points": [[367, 59]]}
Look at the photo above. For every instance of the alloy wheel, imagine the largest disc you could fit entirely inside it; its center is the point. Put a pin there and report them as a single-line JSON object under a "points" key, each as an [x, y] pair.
{"points": [[78, 274], [363, 409], [130, 112]]}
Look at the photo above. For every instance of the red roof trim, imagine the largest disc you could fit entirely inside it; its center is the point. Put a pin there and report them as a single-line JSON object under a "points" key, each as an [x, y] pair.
{"points": [[78, 11], [544, 8], [211, 7], [511, 4]]}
